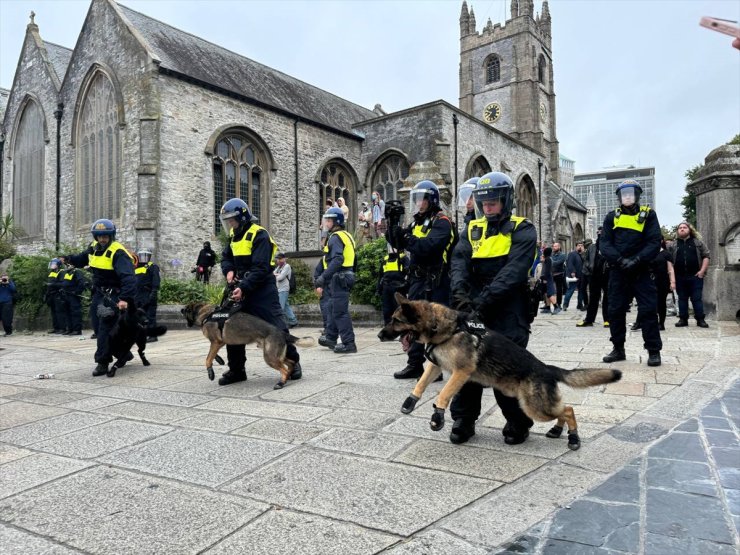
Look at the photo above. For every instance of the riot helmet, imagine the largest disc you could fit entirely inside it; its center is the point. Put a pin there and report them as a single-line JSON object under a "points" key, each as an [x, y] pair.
{"points": [[425, 190], [628, 192], [102, 228], [495, 186], [335, 216], [55, 264], [235, 209], [466, 193], [145, 256]]}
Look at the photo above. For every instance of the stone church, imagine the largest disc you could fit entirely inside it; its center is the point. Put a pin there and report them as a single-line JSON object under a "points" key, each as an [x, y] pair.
{"points": [[138, 124]]}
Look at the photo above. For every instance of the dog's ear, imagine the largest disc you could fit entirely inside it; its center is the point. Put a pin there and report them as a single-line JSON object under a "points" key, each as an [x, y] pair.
{"points": [[400, 299], [409, 312]]}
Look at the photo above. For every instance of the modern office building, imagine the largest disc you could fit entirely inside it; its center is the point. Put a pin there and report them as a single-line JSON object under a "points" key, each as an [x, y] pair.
{"points": [[604, 183]]}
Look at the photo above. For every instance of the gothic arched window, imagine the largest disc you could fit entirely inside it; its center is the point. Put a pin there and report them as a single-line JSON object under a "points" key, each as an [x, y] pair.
{"points": [[479, 168], [526, 198], [336, 182], [493, 69], [541, 69], [28, 171], [98, 153], [388, 180], [239, 171]]}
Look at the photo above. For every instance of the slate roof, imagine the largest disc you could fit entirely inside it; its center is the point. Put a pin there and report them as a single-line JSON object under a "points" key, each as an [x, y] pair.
{"points": [[59, 57], [206, 62], [554, 191]]}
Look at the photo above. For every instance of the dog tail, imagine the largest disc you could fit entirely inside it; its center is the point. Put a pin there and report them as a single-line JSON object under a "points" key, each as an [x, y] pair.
{"points": [[586, 377], [156, 331], [301, 341]]}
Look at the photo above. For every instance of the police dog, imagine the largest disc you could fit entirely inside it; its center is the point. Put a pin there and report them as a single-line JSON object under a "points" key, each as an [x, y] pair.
{"points": [[132, 327], [242, 329], [491, 360]]}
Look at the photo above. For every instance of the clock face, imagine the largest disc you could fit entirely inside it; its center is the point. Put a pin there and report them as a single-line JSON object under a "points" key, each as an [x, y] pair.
{"points": [[492, 112], [543, 113]]}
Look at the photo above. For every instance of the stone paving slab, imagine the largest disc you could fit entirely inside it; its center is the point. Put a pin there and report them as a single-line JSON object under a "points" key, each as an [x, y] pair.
{"points": [[287, 411], [51, 427], [17, 542], [281, 430], [380, 495], [18, 413], [203, 458], [28, 472], [112, 511], [11, 452], [98, 440], [214, 422], [283, 532]]}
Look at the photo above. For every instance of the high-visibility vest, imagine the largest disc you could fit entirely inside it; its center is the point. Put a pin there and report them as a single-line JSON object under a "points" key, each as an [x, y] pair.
{"points": [[493, 246], [420, 231], [242, 248], [635, 222], [104, 260], [392, 265], [349, 249]]}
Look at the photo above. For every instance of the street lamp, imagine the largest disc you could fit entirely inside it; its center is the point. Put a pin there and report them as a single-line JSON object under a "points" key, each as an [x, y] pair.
{"points": [[539, 201]]}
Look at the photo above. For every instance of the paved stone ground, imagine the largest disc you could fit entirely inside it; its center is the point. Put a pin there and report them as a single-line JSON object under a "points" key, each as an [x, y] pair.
{"points": [[161, 460]]}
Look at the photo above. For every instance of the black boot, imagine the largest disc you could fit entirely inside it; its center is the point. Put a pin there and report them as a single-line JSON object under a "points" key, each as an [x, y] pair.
{"points": [[408, 373], [345, 348], [702, 323], [101, 369], [326, 342], [232, 376], [653, 358], [462, 431], [297, 373], [616, 355], [682, 323], [636, 326]]}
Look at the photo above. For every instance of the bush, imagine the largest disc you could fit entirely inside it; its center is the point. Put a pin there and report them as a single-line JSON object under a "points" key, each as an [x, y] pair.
{"points": [[369, 257], [305, 293], [174, 291]]}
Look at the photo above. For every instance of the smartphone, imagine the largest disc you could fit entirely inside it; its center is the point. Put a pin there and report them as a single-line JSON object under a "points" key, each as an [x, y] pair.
{"points": [[721, 26]]}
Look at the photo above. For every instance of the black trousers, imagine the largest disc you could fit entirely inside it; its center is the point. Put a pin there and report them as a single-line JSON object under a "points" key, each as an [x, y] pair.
{"points": [[466, 405], [264, 304], [597, 287], [559, 287], [422, 289], [105, 325], [623, 287], [73, 308], [6, 315], [338, 320], [388, 300]]}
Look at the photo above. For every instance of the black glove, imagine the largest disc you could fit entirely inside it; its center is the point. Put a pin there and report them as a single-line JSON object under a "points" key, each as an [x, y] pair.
{"points": [[409, 239], [480, 304], [628, 264], [319, 282], [461, 302]]}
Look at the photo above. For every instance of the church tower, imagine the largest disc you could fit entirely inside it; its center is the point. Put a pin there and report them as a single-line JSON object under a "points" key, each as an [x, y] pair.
{"points": [[506, 77], [591, 212]]}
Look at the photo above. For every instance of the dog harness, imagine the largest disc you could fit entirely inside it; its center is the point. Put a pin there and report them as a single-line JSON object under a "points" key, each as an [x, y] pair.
{"points": [[472, 327], [223, 313]]}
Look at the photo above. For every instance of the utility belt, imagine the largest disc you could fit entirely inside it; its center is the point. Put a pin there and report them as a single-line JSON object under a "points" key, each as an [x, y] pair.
{"points": [[345, 278], [424, 272]]}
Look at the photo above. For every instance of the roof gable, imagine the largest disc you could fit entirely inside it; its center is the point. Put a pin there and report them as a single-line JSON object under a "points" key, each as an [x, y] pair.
{"points": [[193, 57]]}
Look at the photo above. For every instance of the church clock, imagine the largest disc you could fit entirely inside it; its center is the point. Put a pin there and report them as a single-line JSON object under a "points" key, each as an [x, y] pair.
{"points": [[492, 112]]}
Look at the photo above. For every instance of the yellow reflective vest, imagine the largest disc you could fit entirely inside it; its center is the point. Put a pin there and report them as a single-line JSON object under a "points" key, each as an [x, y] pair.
{"points": [[349, 249], [104, 260], [635, 222], [242, 248], [493, 246]]}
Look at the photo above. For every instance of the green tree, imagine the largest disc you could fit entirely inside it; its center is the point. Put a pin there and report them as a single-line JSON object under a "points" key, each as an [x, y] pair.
{"points": [[735, 140], [9, 231]]}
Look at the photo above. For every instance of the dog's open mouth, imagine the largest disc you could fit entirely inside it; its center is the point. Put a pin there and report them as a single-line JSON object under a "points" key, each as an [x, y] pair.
{"points": [[407, 339]]}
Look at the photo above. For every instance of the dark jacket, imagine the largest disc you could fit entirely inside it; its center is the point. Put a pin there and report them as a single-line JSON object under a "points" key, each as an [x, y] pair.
{"points": [[7, 292], [76, 284], [206, 258], [147, 284], [702, 252], [427, 252], [558, 263], [628, 243], [121, 277], [574, 265], [256, 272]]}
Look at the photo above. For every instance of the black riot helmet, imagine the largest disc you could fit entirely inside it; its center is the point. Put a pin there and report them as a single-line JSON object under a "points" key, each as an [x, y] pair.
{"points": [[495, 186]]}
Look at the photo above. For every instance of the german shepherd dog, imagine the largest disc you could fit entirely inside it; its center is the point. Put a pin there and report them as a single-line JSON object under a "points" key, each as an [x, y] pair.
{"points": [[132, 327], [242, 329], [490, 360]]}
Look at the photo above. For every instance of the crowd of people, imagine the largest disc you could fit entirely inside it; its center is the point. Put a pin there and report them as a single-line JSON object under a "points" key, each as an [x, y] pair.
{"points": [[487, 271]]}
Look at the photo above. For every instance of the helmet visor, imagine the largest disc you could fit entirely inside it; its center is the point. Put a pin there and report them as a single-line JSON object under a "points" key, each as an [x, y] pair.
{"points": [[229, 220], [628, 195], [417, 198], [144, 256], [465, 200]]}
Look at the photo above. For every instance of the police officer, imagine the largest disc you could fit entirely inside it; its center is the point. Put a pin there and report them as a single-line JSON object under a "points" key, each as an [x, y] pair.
{"points": [[466, 201], [490, 269], [114, 284], [247, 264], [147, 287], [52, 297], [429, 239], [73, 285], [393, 269], [629, 241], [336, 281]]}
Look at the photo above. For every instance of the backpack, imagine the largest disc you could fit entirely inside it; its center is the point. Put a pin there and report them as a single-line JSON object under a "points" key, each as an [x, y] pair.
{"points": [[536, 292], [291, 282]]}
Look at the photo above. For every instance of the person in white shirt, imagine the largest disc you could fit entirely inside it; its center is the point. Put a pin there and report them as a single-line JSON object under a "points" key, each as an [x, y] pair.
{"points": [[282, 277]]}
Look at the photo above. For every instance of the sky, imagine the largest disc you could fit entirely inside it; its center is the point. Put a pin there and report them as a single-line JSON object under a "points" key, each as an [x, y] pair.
{"points": [[636, 81]]}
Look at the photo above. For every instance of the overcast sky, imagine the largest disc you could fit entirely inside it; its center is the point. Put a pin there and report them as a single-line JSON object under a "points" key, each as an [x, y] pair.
{"points": [[637, 81]]}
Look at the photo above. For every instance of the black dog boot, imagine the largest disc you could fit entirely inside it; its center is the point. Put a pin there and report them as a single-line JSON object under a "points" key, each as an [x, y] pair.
{"points": [[616, 355], [574, 442], [438, 418], [408, 373], [101, 369], [653, 358], [462, 431], [232, 376], [409, 404], [554, 432]]}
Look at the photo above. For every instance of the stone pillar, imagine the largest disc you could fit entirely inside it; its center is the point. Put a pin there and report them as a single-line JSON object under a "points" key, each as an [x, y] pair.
{"points": [[717, 190]]}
